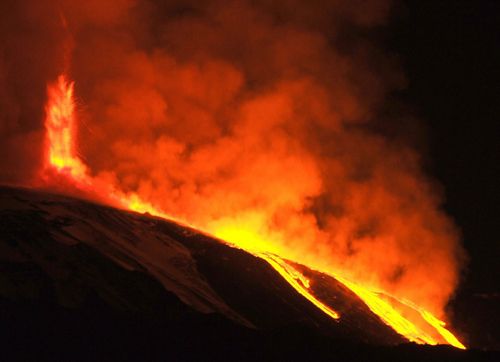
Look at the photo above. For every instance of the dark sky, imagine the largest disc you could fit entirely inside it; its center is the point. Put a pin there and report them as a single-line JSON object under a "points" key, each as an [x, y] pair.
{"points": [[450, 53]]}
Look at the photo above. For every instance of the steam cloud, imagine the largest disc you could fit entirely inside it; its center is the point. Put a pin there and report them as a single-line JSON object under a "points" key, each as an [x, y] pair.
{"points": [[264, 114]]}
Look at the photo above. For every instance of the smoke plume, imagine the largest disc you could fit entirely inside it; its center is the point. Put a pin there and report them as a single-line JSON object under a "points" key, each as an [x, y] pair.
{"points": [[265, 116]]}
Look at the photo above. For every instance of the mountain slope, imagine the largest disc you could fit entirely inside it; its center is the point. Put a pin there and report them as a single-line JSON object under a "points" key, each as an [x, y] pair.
{"points": [[80, 276]]}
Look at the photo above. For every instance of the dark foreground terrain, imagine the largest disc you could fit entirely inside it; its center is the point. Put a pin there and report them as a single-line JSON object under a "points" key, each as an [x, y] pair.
{"points": [[79, 281]]}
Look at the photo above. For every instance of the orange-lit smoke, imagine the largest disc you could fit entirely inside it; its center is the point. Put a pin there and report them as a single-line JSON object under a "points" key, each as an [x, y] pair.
{"points": [[256, 118], [264, 124]]}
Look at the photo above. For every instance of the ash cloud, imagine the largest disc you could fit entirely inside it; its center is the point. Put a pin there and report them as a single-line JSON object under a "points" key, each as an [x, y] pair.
{"points": [[30, 55], [251, 113]]}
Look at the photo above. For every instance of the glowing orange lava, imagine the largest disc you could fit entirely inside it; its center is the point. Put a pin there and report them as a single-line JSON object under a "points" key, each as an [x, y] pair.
{"points": [[60, 125], [62, 157]]}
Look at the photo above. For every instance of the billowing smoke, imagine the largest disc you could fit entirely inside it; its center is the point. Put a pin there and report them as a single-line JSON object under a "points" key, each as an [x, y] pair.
{"points": [[261, 116]]}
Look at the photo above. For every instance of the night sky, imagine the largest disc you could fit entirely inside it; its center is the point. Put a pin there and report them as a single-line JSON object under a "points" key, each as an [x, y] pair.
{"points": [[450, 53]]}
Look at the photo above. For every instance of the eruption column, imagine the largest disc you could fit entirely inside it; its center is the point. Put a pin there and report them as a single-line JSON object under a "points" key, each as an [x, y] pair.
{"points": [[62, 158], [60, 124]]}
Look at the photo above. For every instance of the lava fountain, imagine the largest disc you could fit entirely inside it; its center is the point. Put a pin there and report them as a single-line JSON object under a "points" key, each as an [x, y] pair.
{"points": [[61, 131], [62, 159]]}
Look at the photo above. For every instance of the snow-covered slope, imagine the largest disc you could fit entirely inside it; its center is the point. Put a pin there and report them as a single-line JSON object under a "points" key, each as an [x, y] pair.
{"points": [[63, 258]]}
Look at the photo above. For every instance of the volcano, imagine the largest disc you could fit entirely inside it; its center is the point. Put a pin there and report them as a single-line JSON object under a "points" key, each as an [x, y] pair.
{"points": [[88, 280]]}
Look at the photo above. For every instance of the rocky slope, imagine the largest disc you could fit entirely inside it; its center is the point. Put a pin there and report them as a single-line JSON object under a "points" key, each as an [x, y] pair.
{"points": [[99, 283]]}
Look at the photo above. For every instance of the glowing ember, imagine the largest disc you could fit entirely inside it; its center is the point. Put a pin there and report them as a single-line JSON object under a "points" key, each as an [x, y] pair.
{"points": [[61, 156]]}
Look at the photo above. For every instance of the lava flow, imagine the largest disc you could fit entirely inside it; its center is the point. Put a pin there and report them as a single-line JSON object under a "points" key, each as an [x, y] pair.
{"points": [[419, 326]]}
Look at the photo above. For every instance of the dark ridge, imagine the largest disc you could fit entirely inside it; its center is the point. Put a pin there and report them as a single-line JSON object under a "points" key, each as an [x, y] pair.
{"points": [[72, 287]]}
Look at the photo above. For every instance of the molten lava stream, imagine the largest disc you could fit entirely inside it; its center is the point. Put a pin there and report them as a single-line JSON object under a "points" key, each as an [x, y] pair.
{"points": [[398, 322], [297, 280], [62, 158]]}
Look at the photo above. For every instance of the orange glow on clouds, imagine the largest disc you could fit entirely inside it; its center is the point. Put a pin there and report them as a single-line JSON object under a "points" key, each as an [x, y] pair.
{"points": [[289, 235]]}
